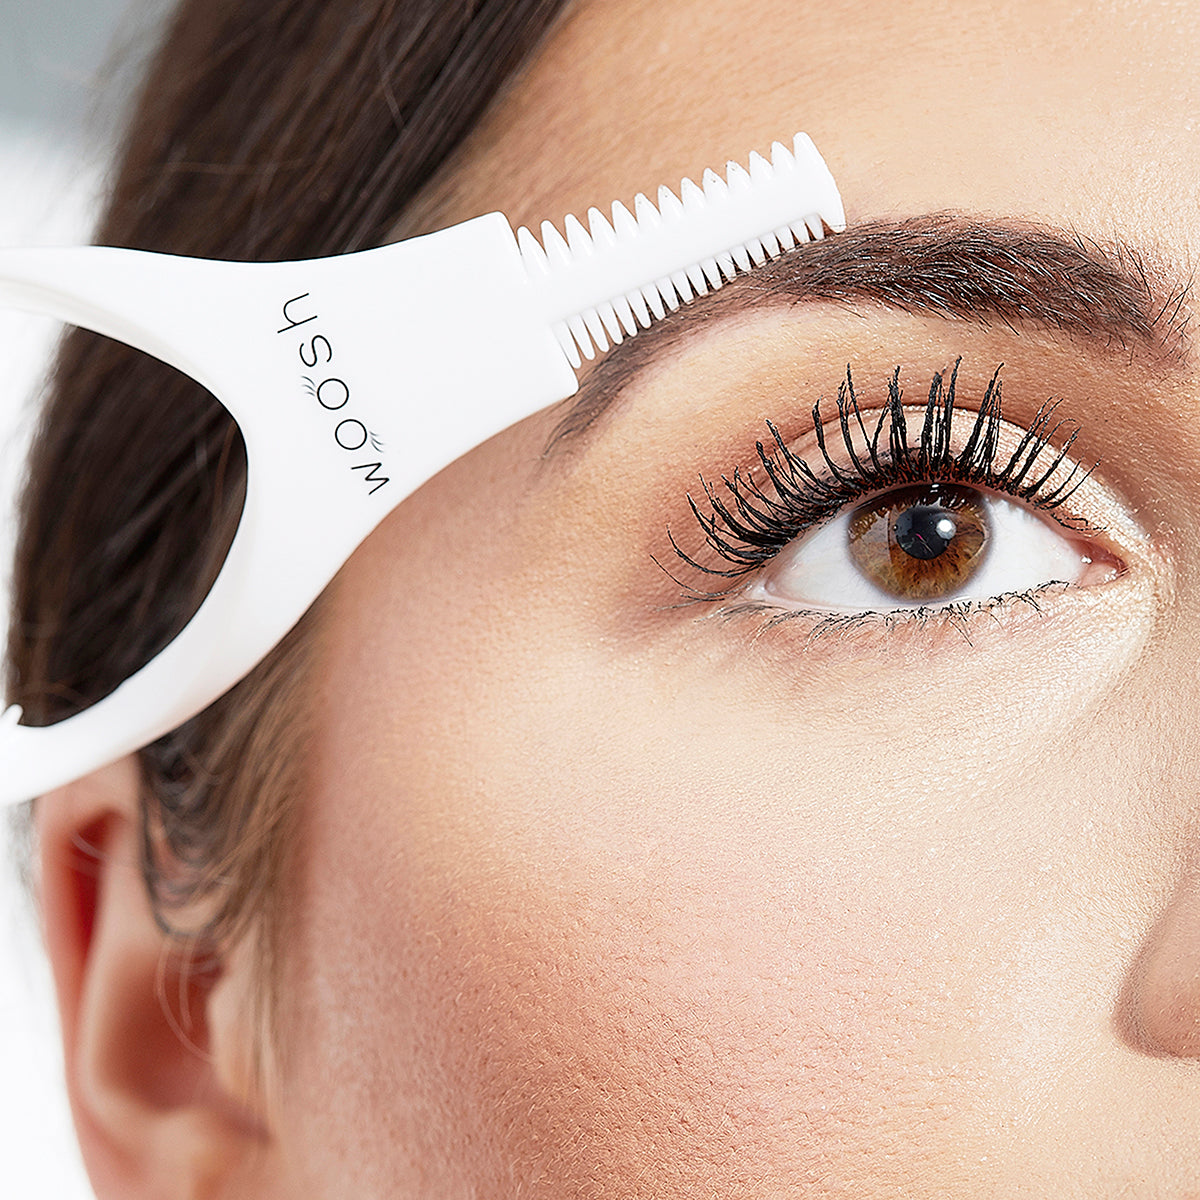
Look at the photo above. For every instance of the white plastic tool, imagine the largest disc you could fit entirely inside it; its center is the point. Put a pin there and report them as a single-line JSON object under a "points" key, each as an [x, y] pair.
{"points": [[355, 379]]}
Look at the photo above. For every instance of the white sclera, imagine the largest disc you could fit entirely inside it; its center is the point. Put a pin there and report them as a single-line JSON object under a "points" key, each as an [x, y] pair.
{"points": [[1024, 552]]}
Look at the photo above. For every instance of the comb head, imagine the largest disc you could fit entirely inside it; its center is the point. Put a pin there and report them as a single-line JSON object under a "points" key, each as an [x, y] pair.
{"points": [[598, 285], [233, 327]]}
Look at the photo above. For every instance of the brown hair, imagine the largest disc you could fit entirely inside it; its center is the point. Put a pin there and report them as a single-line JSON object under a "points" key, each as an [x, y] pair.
{"points": [[265, 130]]}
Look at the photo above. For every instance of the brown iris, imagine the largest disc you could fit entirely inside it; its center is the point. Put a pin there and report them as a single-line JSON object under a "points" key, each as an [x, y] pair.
{"points": [[920, 543]]}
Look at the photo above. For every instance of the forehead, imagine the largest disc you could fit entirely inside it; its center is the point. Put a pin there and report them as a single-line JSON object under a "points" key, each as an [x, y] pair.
{"points": [[1057, 111]]}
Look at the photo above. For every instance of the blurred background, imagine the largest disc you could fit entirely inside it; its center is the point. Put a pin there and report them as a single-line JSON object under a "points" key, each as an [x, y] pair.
{"points": [[67, 71]]}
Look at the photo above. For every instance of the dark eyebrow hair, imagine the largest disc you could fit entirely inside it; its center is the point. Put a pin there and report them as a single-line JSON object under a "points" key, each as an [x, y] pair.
{"points": [[1021, 275]]}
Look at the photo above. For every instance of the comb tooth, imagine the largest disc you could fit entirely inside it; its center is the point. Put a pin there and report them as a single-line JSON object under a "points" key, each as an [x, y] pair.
{"points": [[760, 169], [654, 300], [648, 217], [625, 224], [532, 252], [639, 308], [770, 245], [624, 313], [801, 232], [728, 267], [691, 197], [715, 188], [782, 157], [608, 318], [741, 256], [602, 233], [737, 178], [785, 238], [669, 204], [805, 153], [595, 327], [815, 226], [567, 342], [582, 337], [697, 279], [577, 237], [757, 254], [712, 273], [557, 251], [682, 286], [666, 289]]}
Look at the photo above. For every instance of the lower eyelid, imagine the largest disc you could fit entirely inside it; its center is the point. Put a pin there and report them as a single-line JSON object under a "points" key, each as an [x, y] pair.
{"points": [[968, 625]]}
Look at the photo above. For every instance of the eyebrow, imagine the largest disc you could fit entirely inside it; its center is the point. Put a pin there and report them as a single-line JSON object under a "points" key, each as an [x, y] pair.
{"points": [[1020, 275]]}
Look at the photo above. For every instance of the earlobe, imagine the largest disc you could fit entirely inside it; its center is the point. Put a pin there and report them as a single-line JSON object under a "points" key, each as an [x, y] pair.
{"points": [[146, 1058]]}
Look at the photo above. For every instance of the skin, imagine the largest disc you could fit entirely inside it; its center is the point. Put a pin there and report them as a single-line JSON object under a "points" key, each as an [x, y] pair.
{"points": [[596, 895]]}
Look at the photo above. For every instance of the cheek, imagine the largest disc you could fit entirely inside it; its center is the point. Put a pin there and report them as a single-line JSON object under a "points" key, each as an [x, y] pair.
{"points": [[675, 914], [631, 938], [572, 1007]]}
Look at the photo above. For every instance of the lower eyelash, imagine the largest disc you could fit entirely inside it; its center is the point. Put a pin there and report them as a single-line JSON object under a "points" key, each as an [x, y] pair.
{"points": [[752, 519], [956, 617]]}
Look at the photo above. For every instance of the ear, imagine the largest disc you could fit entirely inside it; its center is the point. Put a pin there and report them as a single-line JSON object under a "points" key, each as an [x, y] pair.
{"points": [[154, 1049]]}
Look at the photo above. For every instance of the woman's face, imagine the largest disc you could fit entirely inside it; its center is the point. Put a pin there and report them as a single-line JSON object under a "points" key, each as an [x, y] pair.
{"points": [[605, 893]]}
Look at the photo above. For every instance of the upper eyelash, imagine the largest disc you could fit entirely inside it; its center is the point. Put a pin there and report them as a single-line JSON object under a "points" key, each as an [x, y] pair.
{"points": [[756, 520]]}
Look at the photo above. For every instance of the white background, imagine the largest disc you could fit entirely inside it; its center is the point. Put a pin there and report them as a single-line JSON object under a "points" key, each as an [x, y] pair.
{"points": [[65, 69]]}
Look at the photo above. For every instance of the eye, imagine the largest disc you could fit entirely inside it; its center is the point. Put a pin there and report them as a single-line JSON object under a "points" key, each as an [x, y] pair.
{"points": [[927, 546], [895, 508]]}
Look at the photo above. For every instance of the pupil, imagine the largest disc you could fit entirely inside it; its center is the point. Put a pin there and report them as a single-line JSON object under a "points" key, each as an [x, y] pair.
{"points": [[925, 531]]}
